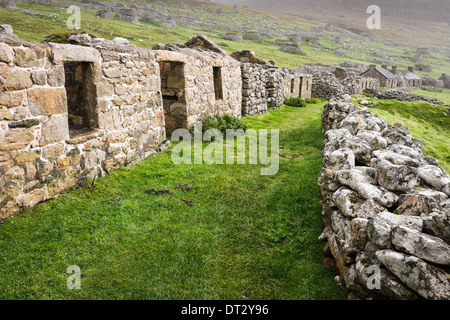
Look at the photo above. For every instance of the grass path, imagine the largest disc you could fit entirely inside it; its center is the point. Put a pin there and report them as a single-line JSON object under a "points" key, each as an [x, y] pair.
{"points": [[247, 236]]}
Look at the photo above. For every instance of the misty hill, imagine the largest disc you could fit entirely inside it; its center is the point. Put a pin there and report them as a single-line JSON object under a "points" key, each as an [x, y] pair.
{"points": [[411, 19]]}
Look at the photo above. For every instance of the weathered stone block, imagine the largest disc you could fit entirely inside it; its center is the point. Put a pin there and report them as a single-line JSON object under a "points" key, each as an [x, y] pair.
{"points": [[428, 281], [18, 80], [421, 245], [30, 199], [11, 99], [5, 114], [56, 76], [110, 120], [29, 57], [39, 77], [16, 139], [6, 53], [44, 101], [55, 129]]}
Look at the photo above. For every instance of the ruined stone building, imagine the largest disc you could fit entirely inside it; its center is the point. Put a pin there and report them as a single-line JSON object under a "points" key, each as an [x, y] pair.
{"points": [[384, 76], [69, 111], [297, 84], [264, 84], [198, 80], [80, 110], [254, 93], [363, 83]]}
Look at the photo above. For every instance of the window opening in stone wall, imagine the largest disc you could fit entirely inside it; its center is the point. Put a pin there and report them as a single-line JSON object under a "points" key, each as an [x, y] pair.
{"points": [[218, 88], [81, 96]]}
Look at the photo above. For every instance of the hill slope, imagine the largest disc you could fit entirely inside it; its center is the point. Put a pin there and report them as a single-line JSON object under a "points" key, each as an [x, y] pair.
{"points": [[410, 21]]}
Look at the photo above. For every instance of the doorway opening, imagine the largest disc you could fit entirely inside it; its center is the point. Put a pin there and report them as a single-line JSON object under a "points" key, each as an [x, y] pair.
{"points": [[81, 96]]}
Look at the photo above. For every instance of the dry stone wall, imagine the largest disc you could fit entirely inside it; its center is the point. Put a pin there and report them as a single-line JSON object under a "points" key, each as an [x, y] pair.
{"points": [[274, 87], [254, 96], [385, 207], [333, 81]]}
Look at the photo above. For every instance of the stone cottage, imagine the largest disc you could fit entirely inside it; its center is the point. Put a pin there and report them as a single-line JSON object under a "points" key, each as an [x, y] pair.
{"points": [[198, 80], [385, 77], [79, 110], [408, 78]]}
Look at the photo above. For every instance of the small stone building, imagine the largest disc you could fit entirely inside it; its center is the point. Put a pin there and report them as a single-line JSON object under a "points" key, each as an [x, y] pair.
{"points": [[198, 80], [297, 84], [80, 110], [384, 76], [312, 40], [254, 94], [446, 80], [367, 84], [408, 78]]}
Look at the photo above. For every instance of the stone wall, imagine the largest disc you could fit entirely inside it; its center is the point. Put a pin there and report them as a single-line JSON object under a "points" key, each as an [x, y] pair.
{"points": [[334, 81], [45, 145], [404, 96], [212, 80], [274, 87], [386, 209], [254, 95]]}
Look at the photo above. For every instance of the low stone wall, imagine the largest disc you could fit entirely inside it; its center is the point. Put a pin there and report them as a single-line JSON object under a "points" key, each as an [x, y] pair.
{"points": [[404, 96], [386, 209]]}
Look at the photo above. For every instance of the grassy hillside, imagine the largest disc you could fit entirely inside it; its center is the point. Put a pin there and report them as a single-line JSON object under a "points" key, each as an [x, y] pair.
{"points": [[37, 27], [420, 22]]}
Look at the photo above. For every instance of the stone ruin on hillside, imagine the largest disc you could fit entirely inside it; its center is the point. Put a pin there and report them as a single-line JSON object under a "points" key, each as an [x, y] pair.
{"points": [[80, 110]]}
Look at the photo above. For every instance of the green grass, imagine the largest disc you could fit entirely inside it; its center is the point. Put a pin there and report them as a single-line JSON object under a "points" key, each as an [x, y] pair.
{"points": [[442, 94], [430, 123], [247, 236]]}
